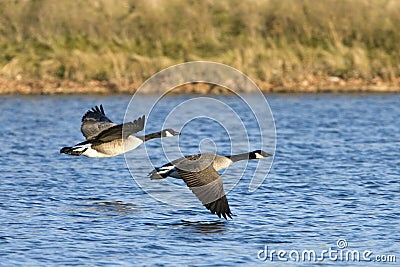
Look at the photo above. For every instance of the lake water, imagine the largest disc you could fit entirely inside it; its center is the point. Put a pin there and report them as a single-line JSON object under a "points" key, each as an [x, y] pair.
{"points": [[335, 176]]}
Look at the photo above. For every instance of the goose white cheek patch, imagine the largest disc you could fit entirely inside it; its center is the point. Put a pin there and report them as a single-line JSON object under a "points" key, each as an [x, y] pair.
{"points": [[168, 134]]}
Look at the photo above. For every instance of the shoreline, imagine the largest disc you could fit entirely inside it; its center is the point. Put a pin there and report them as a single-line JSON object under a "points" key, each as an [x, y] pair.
{"points": [[310, 85]]}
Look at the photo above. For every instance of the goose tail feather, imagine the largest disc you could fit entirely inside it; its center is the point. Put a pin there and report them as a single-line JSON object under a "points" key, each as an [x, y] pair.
{"points": [[74, 151], [161, 172]]}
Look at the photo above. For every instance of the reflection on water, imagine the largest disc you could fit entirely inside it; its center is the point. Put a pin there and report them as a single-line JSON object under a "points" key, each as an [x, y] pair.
{"points": [[335, 175], [115, 206], [205, 227]]}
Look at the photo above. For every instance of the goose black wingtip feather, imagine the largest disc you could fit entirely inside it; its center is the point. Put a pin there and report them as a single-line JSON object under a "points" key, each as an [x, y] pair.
{"points": [[220, 207], [98, 109], [94, 110]]}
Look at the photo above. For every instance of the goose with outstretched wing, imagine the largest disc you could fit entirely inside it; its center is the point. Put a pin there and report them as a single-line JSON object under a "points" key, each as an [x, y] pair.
{"points": [[107, 139], [200, 173]]}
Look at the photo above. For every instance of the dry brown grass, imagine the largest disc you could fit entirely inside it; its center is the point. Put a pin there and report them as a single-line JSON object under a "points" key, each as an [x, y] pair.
{"points": [[276, 42]]}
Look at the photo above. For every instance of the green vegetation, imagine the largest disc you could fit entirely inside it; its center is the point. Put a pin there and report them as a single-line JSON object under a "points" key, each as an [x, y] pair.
{"points": [[126, 41]]}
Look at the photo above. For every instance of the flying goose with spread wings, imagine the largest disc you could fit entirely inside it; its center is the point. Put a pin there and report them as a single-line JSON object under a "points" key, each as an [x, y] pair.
{"points": [[200, 173], [107, 139]]}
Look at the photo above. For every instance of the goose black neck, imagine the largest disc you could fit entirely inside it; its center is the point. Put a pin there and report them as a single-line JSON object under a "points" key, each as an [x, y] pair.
{"points": [[238, 157], [152, 136]]}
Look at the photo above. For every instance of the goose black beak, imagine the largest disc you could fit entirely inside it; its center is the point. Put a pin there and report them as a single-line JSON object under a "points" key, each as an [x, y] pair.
{"points": [[174, 133]]}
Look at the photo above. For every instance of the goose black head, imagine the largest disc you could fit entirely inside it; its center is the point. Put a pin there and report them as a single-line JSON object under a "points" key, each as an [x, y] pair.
{"points": [[259, 154], [169, 133]]}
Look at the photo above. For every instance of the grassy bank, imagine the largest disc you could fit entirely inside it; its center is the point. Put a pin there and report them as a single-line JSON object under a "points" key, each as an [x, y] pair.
{"points": [[296, 45]]}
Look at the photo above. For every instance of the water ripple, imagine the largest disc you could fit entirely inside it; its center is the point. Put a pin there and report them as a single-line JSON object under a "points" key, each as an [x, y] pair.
{"points": [[335, 175]]}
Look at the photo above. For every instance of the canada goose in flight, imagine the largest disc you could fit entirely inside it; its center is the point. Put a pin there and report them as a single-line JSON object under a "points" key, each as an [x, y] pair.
{"points": [[107, 139], [200, 173]]}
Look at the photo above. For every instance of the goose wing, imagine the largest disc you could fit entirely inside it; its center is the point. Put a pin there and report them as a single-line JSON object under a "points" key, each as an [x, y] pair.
{"points": [[94, 121], [120, 131], [205, 183]]}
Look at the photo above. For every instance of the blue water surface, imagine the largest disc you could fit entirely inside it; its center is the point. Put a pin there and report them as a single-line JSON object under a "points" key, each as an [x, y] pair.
{"points": [[335, 176]]}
